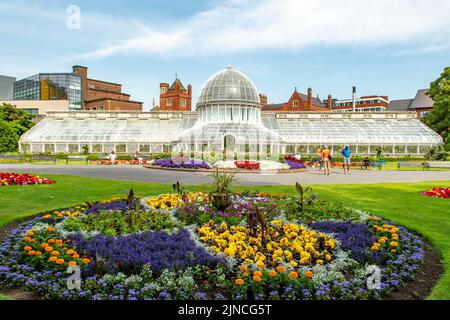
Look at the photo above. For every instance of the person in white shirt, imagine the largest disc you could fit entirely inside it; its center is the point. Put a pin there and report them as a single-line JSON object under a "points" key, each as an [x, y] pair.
{"points": [[113, 157], [137, 156]]}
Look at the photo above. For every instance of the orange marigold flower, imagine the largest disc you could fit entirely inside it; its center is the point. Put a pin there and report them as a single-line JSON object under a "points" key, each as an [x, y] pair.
{"points": [[76, 256], [280, 269], [86, 261], [48, 249], [245, 274], [272, 273], [38, 253], [293, 275], [309, 274], [256, 278], [52, 259], [70, 252], [257, 273], [60, 261], [31, 252], [393, 250], [55, 253], [26, 239], [27, 248], [43, 245], [243, 268], [239, 282], [51, 241], [50, 229], [394, 244], [72, 263], [30, 233]]}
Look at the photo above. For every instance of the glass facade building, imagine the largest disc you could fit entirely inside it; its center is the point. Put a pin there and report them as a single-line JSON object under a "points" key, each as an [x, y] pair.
{"points": [[51, 86], [229, 120]]}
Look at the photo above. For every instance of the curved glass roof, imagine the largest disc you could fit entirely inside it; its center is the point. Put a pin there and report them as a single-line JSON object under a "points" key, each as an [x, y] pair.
{"points": [[110, 130], [290, 131], [229, 85], [353, 131]]}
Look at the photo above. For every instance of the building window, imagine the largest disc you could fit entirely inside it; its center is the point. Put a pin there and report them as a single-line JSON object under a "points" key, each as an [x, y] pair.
{"points": [[183, 102], [296, 103], [163, 90], [101, 108], [169, 102]]}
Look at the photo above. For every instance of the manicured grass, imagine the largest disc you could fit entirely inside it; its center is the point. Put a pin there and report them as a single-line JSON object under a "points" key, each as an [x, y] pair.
{"points": [[3, 297], [401, 203]]}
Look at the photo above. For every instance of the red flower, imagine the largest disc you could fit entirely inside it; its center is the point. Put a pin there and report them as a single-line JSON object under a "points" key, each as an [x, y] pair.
{"points": [[7, 179], [438, 193], [247, 165]]}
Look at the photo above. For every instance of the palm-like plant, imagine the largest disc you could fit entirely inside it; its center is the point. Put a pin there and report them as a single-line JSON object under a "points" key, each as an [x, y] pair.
{"points": [[221, 189]]}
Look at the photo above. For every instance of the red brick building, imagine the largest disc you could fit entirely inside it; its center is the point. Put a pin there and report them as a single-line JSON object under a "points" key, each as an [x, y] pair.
{"points": [[175, 97], [104, 96], [298, 102]]}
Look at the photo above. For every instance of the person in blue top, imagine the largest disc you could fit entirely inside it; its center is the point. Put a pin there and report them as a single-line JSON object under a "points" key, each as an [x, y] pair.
{"points": [[346, 154]]}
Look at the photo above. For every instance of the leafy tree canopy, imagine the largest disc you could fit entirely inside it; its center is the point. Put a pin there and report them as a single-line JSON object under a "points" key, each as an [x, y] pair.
{"points": [[439, 118], [14, 122]]}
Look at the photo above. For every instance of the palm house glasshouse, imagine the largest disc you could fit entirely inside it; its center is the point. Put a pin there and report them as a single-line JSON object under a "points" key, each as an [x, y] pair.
{"points": [[228, 119]]}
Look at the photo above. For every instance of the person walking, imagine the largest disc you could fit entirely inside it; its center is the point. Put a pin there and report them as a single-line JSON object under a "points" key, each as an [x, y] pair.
{"points": [[113, 157], [326, 159], [346, 154], [319, 160]]}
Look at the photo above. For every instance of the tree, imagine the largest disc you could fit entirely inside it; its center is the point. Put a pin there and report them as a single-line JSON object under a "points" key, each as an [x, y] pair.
{"points": [[439, 118], [8, 138], [15, 122]]}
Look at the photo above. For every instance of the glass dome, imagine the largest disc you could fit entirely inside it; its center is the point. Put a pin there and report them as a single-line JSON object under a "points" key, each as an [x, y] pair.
{"points": [[229, 85]]}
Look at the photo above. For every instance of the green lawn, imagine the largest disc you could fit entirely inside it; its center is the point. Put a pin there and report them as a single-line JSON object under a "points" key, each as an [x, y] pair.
{"points": [[3, 297], [401, 203]]}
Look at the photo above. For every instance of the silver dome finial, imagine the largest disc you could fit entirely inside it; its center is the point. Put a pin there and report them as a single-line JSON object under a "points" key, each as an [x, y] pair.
{"points": [[229, 66]]}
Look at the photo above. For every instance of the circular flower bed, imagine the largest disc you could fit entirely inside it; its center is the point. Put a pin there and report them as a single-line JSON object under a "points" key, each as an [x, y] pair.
{"points": [[178, 246], [438, 193], [8, 179]]}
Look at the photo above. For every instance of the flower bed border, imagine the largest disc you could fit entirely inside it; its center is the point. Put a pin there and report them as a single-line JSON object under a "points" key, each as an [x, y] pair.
{"points": [[418, 289]]}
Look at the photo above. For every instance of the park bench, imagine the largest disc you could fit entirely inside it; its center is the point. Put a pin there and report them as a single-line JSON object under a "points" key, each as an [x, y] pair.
{"points": [[425, 165], [439, 164], [69, 158], [42, 158], [378, 164], [11, 157]]}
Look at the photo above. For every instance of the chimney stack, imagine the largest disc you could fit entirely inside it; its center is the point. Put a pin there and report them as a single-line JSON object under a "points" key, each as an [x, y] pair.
{"points": [[354, 100], [309, 98], [330, 102]]}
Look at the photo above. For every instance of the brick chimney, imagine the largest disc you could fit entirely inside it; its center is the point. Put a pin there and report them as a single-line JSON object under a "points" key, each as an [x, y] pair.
{"points": [[330, 102], [309, 98]]}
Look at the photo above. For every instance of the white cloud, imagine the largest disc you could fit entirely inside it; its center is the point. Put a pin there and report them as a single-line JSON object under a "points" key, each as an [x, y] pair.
{"points": [[245, 25]]}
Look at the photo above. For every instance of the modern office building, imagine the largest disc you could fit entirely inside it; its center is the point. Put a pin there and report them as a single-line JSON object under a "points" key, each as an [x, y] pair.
{"points": [[99, 95], [6, 87], [229, 118], [51, 86]]}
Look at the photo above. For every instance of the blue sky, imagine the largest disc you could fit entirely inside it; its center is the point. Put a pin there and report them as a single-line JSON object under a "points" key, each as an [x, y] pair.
{"points": [[383, 47]]}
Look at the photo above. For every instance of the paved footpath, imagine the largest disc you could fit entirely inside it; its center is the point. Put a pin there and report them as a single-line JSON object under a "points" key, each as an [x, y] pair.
{"points": [[137, 173]]}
